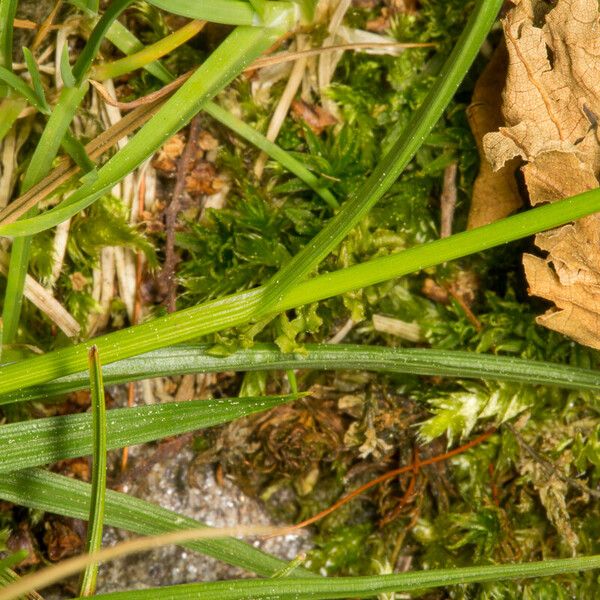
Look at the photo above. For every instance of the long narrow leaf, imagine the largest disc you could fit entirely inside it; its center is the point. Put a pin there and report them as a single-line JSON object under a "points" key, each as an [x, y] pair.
{"points": [[39, 165], [43, 441], [66, 71], [359, 587], [273, 150], [8, 10], [96, 514], [181, 360], [64, 496], [127, 43], [36, 79], [242, 46], [53, 574], [147, 55], [90, 50], [240, 308], [229, 12], [19, 86], [395, 161]]}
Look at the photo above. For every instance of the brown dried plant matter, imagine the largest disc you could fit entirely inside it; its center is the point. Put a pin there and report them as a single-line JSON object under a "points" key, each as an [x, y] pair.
{"points": [[495, 192], [551, 103]]}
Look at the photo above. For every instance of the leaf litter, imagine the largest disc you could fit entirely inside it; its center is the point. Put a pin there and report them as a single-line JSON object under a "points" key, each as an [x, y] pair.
{"points": [[551, 104]]}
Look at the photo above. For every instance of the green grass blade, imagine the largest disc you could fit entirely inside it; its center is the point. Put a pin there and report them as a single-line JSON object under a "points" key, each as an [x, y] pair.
{"points": [[39, 165], [8, 10], [66, 71], [44, 441], [76, 150], [36, 80], [240, 308], [260, 7], [90, 51], [15, 284], [56, 127], [10, 108], [240, 48], [61, 495], [394, 162], [229, 12], [147, 55], [359, 587], [19, 86], [181, 360], [127, 43], [98, 493], [273, 150]]}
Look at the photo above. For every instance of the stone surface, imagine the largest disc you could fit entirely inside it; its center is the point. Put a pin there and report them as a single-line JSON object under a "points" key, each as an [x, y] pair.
{"points": [[200, 497]]}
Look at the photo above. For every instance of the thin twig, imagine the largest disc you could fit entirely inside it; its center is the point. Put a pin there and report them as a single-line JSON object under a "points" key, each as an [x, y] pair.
{"points": [[167, 275], [465, 307], [390, 475], [24, 24], [448, 200], [344, 330], [45, 27], [276, 59], [410, 491]]}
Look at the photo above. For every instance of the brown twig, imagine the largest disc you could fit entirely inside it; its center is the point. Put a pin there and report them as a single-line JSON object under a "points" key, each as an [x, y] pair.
{"points": [[163, 92], [410, 491], [493, 486], [267, 61], [24, 24], [448, 200], [391, 474], [549, 467], [466, 308], [167, 275], [45, 27]]}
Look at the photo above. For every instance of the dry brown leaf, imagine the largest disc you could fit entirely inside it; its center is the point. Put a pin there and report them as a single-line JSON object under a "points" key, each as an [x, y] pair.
{"points": [[168, 155], [495, 193], [552, 93], [551, 104], [316, 117]]}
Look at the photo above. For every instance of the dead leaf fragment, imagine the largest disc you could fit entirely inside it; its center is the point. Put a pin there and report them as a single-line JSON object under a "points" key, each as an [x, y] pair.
{"points": [[167, 157], [207, 142], [23, 539], [61, 540], [203, 179], [316, 117], [551, 107], [552, 93], [495, 192]]}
